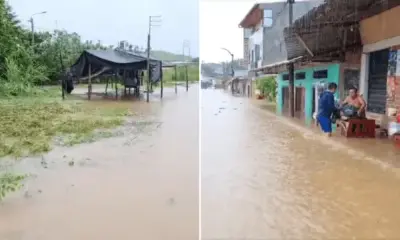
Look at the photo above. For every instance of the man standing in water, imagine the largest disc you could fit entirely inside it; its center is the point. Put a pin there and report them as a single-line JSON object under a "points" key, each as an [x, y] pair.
{"points": [[326, 107]]}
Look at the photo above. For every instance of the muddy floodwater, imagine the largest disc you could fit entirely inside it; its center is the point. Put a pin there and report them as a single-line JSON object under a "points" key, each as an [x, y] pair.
{"points": [[262, 179], [140, 185]]}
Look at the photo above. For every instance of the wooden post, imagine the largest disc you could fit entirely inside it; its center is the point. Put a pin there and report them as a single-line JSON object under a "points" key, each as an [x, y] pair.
{"points": [[108, 79], [90, 82], [63, 87], [148, 64], [116, 85], [291, 65], [187, 78], [291, 89], [176, 80], [162, 86], [123, 80]]}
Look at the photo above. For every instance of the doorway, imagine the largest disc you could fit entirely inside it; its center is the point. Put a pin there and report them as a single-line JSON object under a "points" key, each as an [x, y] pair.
{"points": [[299, 101], [285, 98], [377, 81]]}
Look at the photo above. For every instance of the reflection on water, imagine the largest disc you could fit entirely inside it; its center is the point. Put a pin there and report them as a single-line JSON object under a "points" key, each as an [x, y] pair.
{"points": [[132, 187], [263, 179]]}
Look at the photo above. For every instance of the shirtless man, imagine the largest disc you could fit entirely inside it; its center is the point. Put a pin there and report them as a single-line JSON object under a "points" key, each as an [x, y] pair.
{"points": [[356, 101]]}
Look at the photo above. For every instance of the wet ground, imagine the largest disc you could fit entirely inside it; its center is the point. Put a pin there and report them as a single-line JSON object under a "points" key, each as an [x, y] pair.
{"points": [[261, 178], [142, 185], [264, 178]]}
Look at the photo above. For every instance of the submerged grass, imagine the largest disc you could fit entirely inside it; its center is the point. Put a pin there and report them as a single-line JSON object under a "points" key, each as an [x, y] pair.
{"points": [[29, 125], [10, 183]]}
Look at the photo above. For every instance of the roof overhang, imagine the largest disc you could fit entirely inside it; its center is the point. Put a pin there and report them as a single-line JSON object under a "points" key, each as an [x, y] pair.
{"points": [[278, 67], [332, 27], [252, 17]]}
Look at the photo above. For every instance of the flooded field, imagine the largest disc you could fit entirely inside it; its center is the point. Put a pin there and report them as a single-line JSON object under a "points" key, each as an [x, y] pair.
{"points": [[140, 185], [264, 179]]}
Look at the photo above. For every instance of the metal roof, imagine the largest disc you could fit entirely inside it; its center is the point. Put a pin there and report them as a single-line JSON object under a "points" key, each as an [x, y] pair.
{"points": [[276, 67], [331, 28]]}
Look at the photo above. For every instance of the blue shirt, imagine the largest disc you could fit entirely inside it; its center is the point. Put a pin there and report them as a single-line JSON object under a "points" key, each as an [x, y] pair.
{"points": [[326, 104]]}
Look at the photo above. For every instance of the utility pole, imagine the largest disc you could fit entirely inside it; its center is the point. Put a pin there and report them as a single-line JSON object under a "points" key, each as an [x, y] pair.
{"points": [[32, 31], [185, 44], [291, 64], [152, 21], [33, 26]]}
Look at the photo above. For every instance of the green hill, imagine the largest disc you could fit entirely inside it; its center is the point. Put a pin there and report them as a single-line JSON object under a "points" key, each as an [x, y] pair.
{"points": [[168, 56]]}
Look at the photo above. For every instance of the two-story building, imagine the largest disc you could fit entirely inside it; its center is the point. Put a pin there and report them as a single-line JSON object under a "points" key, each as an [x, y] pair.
{"points": [[351, 43], [263, 37]]}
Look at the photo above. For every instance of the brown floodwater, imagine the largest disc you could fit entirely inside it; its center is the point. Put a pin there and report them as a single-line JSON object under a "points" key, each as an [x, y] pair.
{"points": [[264, 178], [141, 185]]}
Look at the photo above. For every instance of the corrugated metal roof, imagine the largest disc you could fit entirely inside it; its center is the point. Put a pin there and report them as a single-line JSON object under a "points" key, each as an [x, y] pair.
{"points": [[332, 26], [274, 68]]}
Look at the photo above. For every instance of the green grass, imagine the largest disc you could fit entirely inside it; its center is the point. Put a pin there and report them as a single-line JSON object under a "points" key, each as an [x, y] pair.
{"points": [[29, 125], [10, 182], [193, 73]]}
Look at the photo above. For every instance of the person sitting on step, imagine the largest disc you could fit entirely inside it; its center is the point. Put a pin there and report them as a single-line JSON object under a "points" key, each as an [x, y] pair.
{"points": [[354, 105]]}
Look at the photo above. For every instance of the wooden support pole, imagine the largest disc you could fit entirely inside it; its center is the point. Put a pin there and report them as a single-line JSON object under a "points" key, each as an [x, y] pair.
{"points": [[90, 82], [291, 65], [108, 79], [291, 89], [162, 86], [124, 81], [187, 78], [116, 86], [176, 80], [148, 64]]}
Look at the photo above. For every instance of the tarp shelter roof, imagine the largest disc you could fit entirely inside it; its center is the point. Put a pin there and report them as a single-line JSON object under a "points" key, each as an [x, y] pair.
{"points": [[113, 59]]}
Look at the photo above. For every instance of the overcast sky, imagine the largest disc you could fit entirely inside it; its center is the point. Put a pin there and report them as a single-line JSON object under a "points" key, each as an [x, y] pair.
{"points": [[114, 20], [219, 27]]}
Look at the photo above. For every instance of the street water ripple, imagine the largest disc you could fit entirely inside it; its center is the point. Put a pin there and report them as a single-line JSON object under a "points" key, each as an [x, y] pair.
{"points": [[142, 184], [265, 178]]}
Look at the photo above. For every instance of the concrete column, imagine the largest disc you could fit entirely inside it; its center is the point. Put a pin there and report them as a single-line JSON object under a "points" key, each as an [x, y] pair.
{"points": [[364, 75]]}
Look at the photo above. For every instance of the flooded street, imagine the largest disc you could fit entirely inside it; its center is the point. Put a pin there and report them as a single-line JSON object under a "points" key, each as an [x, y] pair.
{"points": [[262, 179], [143, 185]]}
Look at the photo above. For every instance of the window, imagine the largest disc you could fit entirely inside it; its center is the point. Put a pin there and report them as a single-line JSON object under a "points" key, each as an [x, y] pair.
{"points": [[257, 52], [285, 77], [300, 76], [320, 74], [268, 21]]}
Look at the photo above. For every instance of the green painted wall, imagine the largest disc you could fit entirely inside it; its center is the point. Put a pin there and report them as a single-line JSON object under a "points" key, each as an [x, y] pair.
{"points": [[308, 83]]}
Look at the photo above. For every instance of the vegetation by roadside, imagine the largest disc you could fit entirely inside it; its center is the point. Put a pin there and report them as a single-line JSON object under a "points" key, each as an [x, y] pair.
{"points": [[267, 86], [30, 124], [193, 73], [32, 118]]}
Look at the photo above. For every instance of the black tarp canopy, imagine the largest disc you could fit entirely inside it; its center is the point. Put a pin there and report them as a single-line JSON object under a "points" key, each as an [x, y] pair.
{"points": [[111, 59]]}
